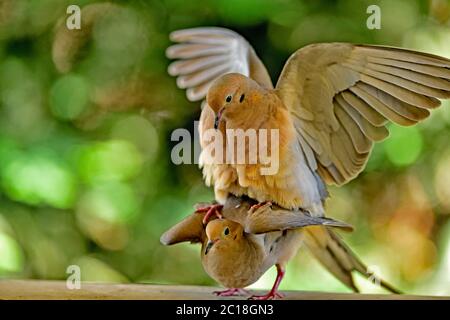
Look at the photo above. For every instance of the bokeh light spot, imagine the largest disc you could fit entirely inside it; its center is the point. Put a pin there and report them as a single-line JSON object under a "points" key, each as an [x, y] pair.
{"points": [[113, 160], [96, 270], [140, 132], [11, 255], [39, 178], [112, 202], [69, 97], [404, 145]]}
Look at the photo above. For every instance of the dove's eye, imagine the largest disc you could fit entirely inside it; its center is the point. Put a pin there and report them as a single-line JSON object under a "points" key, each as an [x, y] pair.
{"points": [[226, 231], [228, 99], [242, 98]]}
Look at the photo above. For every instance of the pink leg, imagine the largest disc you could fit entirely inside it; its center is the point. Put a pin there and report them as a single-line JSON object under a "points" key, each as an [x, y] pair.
{"points": [[273, 293], [259, 205], [231, 292], [209, 211]]}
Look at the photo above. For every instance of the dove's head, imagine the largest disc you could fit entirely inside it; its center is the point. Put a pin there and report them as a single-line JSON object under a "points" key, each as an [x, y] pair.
{"points": [[222, 233], [233, 95]]}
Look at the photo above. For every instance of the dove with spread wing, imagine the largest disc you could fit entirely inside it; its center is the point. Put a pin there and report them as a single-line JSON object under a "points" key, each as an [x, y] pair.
{"points": [[331, 103]]}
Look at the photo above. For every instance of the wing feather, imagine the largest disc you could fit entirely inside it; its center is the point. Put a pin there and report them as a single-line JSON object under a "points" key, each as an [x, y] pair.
{"points": [[206, 53], [341, 97], [362, 144]]}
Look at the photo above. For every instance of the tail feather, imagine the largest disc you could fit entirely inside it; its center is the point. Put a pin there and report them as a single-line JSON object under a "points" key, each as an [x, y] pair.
{"points": [[338, 258]]}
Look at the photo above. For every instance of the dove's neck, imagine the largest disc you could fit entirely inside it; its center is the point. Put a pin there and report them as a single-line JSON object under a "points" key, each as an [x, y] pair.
{"points": [[267, 112], [248, 120]]}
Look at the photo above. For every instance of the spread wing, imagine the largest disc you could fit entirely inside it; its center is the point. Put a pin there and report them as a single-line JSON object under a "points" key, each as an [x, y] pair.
{"points": [[341, 97], [207, 53], [268, 218]]}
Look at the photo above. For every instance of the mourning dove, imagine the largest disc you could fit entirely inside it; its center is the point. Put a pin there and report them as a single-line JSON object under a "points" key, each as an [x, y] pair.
{"points": [[331, 103], [238, 249]]}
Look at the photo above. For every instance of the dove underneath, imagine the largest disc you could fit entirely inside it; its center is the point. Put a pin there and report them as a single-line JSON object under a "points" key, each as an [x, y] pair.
{"points": [[238, 249]]}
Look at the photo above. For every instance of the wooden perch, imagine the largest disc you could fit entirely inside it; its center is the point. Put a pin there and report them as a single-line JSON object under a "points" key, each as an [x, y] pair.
{"points": [[57, 290]]}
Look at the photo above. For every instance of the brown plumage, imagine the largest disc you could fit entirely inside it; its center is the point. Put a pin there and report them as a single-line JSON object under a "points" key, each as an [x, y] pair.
{"points": [[239, 249], [332, 101]]}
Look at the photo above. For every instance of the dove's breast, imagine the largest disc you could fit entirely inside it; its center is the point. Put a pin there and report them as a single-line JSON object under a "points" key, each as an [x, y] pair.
{"points": [[293, 185], [242, 263], [220, 174], [235, 265], [285, 180]]}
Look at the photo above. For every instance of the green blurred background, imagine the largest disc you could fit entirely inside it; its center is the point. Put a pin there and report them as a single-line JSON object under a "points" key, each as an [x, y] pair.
{"points": [[85, 124]]}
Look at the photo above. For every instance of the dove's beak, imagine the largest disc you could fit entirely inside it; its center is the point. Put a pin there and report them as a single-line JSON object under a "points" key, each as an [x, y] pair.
{"points": [[218, 118], [209, 245]]}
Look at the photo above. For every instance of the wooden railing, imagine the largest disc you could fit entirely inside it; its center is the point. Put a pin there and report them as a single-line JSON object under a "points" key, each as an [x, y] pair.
{"points": [[37, 289]]}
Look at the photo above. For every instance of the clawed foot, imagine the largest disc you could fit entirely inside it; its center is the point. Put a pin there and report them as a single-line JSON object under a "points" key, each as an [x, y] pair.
{"points": [[231, 292], [273, 293], [255, 207], [269, 296], [210, 211]]}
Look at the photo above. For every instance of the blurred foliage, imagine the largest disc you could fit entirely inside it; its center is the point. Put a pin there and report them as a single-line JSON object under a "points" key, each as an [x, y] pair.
{"points": [[85, 123]]}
